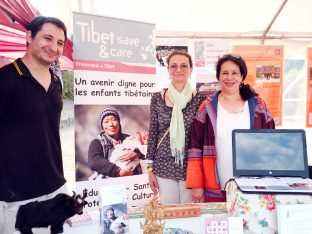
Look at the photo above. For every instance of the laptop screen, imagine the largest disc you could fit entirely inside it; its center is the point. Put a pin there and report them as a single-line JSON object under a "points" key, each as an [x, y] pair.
{"points": [[269, 152]]}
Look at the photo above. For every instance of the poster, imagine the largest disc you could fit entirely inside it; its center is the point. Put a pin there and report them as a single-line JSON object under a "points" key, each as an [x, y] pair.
{"points": [[265, 74], [309, 90], [207, 53], [114, 67]]}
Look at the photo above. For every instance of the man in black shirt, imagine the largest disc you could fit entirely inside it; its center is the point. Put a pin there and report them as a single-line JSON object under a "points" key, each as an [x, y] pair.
{"points": [[31, 165]]}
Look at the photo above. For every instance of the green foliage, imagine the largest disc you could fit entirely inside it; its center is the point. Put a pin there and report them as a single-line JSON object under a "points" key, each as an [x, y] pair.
{"points": [[68, 85]]}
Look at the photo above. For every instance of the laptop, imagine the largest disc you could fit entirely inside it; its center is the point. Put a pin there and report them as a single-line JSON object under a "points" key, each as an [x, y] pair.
{"points": [[271, 161]]}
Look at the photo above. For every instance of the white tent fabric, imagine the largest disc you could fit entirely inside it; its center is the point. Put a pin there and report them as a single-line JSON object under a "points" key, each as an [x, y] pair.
{"points": [[196, 17]]}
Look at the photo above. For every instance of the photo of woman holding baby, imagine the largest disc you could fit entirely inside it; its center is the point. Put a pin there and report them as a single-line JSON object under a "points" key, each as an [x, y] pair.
{"points": [[113, 153]]}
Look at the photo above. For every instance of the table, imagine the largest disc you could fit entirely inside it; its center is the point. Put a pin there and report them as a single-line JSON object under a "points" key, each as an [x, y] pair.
{"points": [[259, 210], [194, 225]]}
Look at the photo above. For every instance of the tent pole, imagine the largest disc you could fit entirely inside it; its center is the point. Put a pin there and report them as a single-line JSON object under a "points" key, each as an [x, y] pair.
{"points": [[272, 21]]}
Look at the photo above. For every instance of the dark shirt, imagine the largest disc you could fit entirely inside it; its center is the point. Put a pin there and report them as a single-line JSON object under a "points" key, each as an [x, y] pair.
{"points": [[31, 158]]}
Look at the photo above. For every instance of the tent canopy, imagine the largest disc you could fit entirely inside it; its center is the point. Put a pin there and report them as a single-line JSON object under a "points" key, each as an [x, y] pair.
{"points": [[265, 19], [199, 18]]}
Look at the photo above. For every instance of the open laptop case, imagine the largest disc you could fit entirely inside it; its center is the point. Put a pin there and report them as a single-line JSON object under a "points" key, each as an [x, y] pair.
{"points": [[271, 161]]}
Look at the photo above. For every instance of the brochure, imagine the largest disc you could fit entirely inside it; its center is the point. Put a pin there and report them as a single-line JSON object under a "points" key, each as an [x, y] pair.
{"points": [[113, 209], [292, 218]]}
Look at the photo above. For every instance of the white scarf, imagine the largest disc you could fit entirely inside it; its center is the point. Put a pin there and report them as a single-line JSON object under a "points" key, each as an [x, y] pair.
{"points": [[177, 128]]}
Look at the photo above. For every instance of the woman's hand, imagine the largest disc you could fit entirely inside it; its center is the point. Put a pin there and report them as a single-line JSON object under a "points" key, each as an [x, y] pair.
{"points": [[197, 195], [127, 155], [153, 182]]}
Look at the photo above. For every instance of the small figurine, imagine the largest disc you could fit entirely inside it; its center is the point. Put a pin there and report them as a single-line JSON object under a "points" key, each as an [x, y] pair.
{"points": [[153, 214]]}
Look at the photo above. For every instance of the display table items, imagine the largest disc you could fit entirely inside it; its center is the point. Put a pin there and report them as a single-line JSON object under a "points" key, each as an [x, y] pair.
{"points": [[259, 210], [180, 218]]}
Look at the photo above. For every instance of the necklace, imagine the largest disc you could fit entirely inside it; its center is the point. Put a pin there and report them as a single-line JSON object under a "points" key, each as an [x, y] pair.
{"points": [[230, 104], [239, 110]]}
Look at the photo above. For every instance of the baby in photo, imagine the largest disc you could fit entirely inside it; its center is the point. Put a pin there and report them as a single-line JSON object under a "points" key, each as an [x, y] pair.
{"points": [[137, 142]]}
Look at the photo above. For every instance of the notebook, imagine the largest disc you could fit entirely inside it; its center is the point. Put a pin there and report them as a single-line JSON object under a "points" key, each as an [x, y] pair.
{"points": [[271, 160]]}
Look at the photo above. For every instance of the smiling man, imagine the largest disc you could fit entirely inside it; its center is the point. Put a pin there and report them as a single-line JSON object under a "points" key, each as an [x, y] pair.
{"points": [[31, 165]]}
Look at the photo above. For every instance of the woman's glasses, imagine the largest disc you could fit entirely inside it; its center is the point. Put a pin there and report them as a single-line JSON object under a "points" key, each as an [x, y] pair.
{"points": [[174, 67]]}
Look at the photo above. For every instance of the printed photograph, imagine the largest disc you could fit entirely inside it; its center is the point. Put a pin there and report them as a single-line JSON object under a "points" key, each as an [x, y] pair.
{"points": [[268, 73], [114, 219], [208, 88], [199, 52], [110, 141], [163, 51]]}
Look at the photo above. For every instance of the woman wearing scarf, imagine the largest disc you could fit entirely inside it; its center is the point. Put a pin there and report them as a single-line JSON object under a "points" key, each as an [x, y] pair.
{"points": [[236, 106], [101, 148], [172, 113]]}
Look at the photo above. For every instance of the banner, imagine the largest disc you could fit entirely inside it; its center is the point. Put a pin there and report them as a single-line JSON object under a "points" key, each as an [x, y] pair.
{"points": [[114, 60], [309, 90], [138, 190], [114, 66], [265, 74]]}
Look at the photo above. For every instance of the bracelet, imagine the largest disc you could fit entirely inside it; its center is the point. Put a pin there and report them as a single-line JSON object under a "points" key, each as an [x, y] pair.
{"points": [[149, 168], [149, 161]]}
